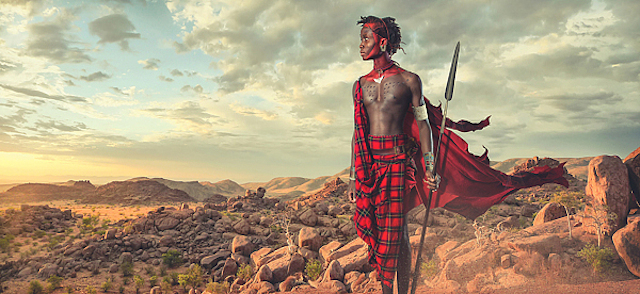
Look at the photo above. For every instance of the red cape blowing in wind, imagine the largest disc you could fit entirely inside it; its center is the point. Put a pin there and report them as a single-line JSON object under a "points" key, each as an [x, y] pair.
{"points": [[469, 185]]}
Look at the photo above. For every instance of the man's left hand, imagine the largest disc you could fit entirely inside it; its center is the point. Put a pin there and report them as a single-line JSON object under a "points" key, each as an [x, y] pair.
{"points": [[432, 181]]}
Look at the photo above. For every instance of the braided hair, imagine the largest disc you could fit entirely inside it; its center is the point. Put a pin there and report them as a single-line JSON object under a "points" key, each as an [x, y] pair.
{"points": [[386, 28]]}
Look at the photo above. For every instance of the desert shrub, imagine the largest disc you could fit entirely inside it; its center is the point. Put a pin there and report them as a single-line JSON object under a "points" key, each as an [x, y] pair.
{"points": [[599, 258], [35, 287], [313, 269], [107, 285], [150, 271], [121, 289], [90, 290], [153, 280], [166, 286], [174, 278], [172, 258], [127, 269], [218, 288], [429, 268], [192, 278], [138, 282], [69, 290], [54, 282], [163, 270], [245, 272]]}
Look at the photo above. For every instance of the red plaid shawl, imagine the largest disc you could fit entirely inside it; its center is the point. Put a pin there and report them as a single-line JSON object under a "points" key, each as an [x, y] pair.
{"points": [[469, 185]]}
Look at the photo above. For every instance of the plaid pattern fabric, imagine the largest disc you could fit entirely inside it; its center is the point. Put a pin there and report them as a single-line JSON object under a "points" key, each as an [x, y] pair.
{"points": [[381, 183]]}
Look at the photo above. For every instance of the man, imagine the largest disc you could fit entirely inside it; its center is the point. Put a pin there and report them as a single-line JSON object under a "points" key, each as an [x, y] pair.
{"points": [[392, 164], [387, 92]]}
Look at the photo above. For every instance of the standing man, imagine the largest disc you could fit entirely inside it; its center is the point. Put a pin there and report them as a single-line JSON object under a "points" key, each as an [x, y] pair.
{"points": [[392, 164], [382, 165]]}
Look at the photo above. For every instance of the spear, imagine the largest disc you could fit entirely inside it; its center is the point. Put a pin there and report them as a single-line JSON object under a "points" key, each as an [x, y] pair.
{"points": [[447, 95]]}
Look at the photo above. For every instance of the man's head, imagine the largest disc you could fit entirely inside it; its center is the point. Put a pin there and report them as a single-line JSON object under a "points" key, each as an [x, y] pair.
{"points": [[384, 28]]}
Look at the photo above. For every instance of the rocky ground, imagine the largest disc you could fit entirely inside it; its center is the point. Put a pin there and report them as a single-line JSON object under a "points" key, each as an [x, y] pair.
{"points": [[253, 244]]}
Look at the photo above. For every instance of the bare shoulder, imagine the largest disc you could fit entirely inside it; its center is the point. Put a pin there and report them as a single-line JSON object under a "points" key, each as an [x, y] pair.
{"points": [[411, 79], [353, 91]]}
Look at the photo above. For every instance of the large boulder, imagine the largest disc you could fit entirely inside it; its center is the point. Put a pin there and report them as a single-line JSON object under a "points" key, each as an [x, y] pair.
{"points": [[333, 272], [309, 238], [242, 227], [548, 213], [166, 223], [260, 256], [632, 161], [543, 244], [48, 270], [627, 243], [309, 218], [328, 249], [242, 245], [608, 185]]}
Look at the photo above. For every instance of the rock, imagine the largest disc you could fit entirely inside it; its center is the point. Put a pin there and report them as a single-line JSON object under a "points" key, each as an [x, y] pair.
{"points": [[278, 262], [296, 264], [608, 184], [260, 192], [125, 257], [632, 161], [333, 272], [113, 268], [264, 274], [309, 218], [555, 261], [334, 210], [308, 254], [230, 268], [166, 241], [88, 251], [288, 284], [309, 238], [508, 223], [335, 286], [328, 249], [466, 266], [242, 245], [348, 229], [25, 272], [345, 250], [110, 234], [505, 261], [260, 256], [548, 213], [266, 221], [48, 270], [528, 263], [242, 227], [166, 223], [543, 244], [265, 287], [627, 243], [156, 290], [212, 260], [356, 261], [444, 249]]}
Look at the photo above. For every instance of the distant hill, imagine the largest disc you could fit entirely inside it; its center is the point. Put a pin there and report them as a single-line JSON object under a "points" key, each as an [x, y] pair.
{"points": [[204, 190], [138, 191], [578, 167], [37, 192], [227, 188]]}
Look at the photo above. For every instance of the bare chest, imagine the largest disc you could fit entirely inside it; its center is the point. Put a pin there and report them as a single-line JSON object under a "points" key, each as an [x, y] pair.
{"points": [[391, 92]]}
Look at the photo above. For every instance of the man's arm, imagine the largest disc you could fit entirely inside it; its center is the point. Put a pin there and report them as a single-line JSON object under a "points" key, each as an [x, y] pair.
{"points": [[352, 170], [426, 142]]}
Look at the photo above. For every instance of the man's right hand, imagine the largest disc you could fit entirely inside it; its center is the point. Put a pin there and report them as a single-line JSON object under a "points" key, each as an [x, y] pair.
{"points": [[351, 191]]}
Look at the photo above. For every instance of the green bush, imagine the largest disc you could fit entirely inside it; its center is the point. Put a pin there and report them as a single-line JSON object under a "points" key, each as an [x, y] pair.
{"points": [[90, 290], [245, 272], [127, 269], [313, 269], [35, 287], [192, 278], [429, 269], [54, 283], [107, 285], [599, 258], [139, 282], [172, 258], [218, 288], [153, 280]]}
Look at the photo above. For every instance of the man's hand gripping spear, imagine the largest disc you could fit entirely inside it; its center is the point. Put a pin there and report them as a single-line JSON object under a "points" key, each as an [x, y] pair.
{"points": [[431, 161]]}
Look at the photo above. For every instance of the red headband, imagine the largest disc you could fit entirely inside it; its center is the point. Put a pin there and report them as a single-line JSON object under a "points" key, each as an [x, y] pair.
{"points": [[383, 23]]}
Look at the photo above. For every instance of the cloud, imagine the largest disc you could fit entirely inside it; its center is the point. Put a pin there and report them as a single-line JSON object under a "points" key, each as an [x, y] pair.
{"points": [[151, 63], [127, 92], [36, 93], [187, 88], [96, 76], [249, 111], [114, 28], [54, 125], [165, 79], [51, 39], [188, 115], [176, 73]]}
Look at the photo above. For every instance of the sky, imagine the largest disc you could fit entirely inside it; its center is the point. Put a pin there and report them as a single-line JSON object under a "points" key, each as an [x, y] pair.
{"points": [[252, 90]]}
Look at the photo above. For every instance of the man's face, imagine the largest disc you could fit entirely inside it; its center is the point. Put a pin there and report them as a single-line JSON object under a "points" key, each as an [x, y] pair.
{"points": [[369, 44]]}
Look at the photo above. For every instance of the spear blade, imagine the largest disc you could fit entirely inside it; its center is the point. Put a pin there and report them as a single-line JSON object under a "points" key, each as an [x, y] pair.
{"points": [[452, 74]]}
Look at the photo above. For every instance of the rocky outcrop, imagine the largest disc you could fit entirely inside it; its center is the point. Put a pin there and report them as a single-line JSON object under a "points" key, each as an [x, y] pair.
{"points": [[608, 187], [632, 161], [627, 243], [548, 213], [137, 192]]}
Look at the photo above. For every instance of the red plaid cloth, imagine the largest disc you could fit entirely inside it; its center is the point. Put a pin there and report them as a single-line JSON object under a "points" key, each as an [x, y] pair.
{"points": [[379, 217]]}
